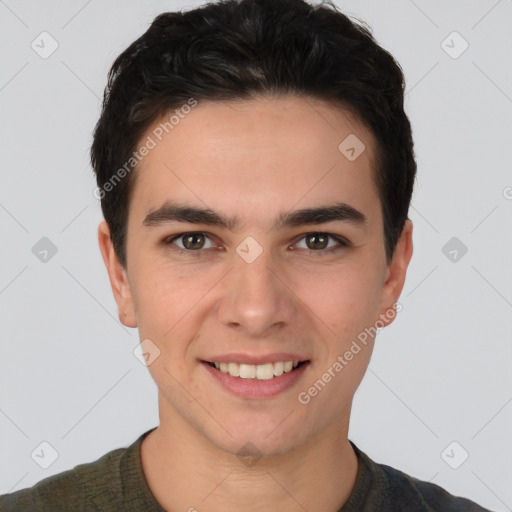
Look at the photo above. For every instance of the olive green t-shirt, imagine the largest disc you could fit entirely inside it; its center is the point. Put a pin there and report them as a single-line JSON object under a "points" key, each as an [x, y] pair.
{"points": [[116, 482]]}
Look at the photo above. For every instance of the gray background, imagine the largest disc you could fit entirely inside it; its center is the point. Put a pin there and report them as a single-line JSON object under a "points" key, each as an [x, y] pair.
{"points": [[439, 374]]}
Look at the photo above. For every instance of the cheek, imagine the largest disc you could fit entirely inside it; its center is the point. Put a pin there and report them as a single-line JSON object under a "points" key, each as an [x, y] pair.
{"points": [[157, 300], [346, 301], [169, 302], [345, 298]]}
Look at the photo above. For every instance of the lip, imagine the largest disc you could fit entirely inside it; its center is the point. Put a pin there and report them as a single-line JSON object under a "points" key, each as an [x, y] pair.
{"points": [[253, 388], [255, 358]]}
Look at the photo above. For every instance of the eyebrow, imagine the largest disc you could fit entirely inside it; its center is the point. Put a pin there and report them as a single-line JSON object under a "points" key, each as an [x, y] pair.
{"points": [[174, 212]]}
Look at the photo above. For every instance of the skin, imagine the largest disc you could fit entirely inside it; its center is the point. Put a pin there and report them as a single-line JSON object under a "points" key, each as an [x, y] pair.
{"points": [[283, 154]]}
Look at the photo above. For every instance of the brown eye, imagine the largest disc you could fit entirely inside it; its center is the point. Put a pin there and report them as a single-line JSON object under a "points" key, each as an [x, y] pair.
{"points": [[317, 241], [190, 242], [322, 243], [193, 241]]}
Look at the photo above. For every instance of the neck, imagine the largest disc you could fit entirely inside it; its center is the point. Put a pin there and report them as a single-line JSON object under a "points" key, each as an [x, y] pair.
{"points": [[185, 471]]}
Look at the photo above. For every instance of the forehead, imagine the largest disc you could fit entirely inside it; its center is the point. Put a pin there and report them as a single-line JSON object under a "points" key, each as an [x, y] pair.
{"points": [[256, 157]]}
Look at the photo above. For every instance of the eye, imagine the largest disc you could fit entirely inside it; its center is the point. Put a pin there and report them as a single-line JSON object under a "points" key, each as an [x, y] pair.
{"points": [[319, 242], [192, 241]]}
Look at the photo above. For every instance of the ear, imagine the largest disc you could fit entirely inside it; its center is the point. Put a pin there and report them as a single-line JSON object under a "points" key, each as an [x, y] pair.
{"points": [[395, 274], [118, 277]]}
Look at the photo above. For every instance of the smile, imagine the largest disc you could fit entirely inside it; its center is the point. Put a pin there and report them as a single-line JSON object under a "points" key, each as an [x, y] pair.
{"points": [[264, 371], [256, 376]]}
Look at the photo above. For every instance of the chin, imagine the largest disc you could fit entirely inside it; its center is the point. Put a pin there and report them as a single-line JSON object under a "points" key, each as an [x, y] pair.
{"points": [[257, 440]]}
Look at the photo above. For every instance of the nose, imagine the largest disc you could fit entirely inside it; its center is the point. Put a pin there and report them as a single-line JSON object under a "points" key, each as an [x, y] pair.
{"points": [[256, 298]]}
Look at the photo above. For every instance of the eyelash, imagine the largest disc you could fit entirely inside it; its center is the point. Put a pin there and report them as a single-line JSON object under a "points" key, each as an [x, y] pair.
{"points": [[343, 243]]}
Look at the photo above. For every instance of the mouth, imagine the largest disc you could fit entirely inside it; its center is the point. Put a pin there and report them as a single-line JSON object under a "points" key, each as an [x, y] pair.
{"points": [[265, 371]]}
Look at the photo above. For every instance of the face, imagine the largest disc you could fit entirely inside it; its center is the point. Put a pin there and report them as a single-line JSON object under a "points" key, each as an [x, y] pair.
{"points": [[255, 238]]}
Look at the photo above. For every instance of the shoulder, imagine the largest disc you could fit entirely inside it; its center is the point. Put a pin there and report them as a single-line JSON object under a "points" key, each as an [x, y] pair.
{"points": [[400, 491], [86, 486], [431, 497]]}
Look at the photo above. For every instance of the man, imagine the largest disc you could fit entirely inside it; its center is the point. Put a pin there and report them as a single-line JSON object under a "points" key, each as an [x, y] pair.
{"points": [[255, 168]]}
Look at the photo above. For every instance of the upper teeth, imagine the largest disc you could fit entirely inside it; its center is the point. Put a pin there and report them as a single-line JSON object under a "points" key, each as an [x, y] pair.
{"points": [[256, 371]]}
